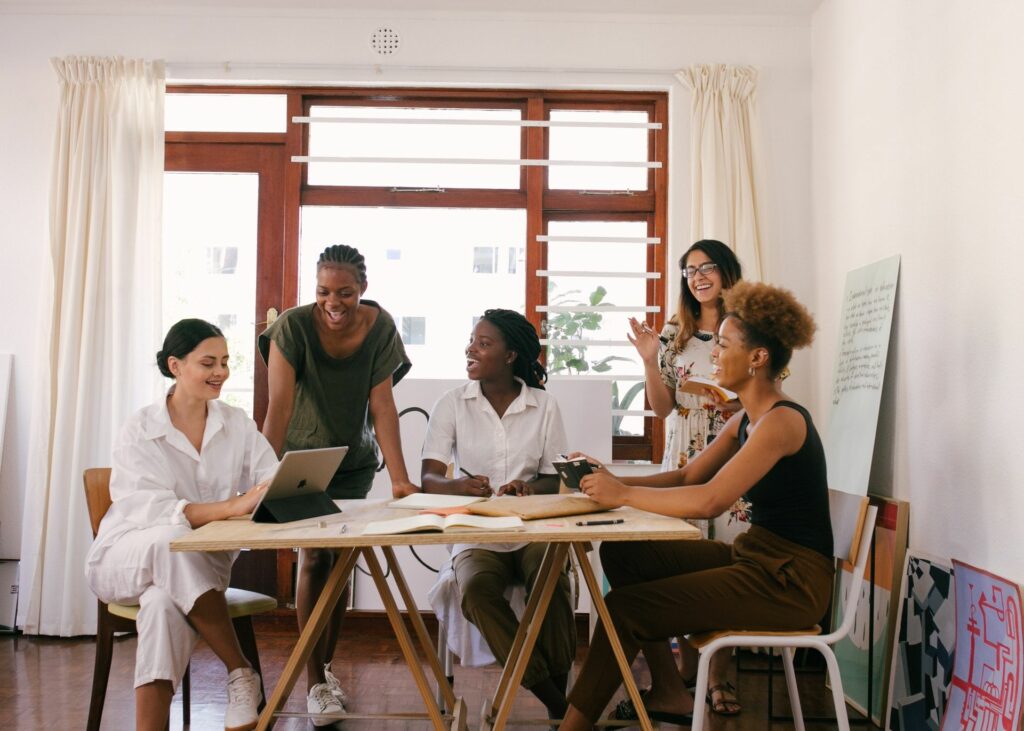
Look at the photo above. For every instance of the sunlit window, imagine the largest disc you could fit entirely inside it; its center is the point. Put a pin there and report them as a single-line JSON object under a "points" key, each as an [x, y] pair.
{"points": [[546, 202]]}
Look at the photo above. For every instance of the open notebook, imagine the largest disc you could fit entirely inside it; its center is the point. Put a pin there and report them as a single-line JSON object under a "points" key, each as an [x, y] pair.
{"points": [[431, 522]]}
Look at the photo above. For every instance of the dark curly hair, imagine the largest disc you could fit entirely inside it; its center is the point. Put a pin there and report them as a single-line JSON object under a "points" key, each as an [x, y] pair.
{"points": [[521, 338], [182, 339], [688, 314], [342, 255], [770, 318]]}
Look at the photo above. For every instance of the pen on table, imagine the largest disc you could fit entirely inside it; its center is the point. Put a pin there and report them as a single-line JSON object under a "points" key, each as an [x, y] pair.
{"points": [[600, 522]]}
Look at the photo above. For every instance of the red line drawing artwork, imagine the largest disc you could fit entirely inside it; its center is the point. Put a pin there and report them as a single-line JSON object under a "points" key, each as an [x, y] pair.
{"points": [[986, 691]]}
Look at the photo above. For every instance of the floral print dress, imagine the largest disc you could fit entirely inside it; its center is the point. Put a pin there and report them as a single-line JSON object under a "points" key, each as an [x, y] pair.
{"points": [[696, 420]]}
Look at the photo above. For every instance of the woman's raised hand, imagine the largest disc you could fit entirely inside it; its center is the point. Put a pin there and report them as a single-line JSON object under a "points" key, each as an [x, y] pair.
{"points": [[644, 339]]}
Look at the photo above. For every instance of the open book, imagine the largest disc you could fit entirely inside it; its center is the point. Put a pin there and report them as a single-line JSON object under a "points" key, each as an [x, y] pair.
{"points": [[699, 387], [429, 521]]}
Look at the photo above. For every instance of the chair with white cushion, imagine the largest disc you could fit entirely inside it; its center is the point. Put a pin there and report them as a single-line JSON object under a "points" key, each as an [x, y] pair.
{"points": [[853, 522], [114, 618]]}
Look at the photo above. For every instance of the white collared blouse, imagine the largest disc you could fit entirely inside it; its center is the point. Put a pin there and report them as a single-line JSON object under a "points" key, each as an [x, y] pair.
{"points": [[519, 445], [157, 471]]}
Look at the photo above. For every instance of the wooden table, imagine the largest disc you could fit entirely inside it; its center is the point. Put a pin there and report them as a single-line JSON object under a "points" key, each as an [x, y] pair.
{"points": [[344, 533]]}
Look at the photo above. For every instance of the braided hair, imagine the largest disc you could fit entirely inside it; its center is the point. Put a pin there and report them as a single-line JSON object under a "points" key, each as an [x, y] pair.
{"points": [[342, 255], [521, 338]]}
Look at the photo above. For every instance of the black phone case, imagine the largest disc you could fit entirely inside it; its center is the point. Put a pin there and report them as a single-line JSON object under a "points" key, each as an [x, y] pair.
{"points": [[572, 471]]}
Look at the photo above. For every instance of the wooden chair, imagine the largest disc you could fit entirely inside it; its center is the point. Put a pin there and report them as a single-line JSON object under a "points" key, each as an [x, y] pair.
{"points": [[112, 618], [853, 522]]}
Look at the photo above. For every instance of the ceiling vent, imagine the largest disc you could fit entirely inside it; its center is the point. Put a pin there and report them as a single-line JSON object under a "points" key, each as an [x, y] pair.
{"points": [[384, 41]]}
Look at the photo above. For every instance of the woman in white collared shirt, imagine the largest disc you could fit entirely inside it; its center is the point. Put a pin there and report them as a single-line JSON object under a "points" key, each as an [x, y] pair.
{"points": [[504, 429], [179, 464]]}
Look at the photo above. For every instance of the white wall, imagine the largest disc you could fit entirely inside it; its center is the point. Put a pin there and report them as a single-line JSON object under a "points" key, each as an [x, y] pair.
{"points": [[918, 150], [197, 42]]}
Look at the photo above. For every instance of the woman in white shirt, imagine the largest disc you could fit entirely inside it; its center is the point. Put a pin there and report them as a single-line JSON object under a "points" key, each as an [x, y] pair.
{"points": [[179, 464], [504, 429]]}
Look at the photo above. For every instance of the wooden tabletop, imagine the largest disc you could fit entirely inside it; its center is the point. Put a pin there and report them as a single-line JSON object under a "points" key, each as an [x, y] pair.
{"points": [[227, 535]]}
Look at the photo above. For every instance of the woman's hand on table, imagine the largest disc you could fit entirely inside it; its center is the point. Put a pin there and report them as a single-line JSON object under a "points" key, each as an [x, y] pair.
{"points": [[401, 489], [604, 488], [516, 487]]}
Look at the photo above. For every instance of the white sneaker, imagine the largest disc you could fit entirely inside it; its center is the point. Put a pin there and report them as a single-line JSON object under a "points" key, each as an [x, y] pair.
{"points": [[334, 685], [244, 696], [322, 700]]}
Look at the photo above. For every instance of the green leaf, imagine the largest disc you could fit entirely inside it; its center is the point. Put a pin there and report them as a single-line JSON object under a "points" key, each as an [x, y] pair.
{"points": [[597, 295], [631, 394]]}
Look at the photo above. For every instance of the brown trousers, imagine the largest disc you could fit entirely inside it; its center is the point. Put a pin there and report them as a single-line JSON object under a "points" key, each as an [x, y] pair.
{"points": [[663, 589], [483, 577]]}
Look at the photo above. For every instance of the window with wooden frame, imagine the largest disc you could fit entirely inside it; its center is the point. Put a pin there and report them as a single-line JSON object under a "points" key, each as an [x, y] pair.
{"points": [[549, 202]]}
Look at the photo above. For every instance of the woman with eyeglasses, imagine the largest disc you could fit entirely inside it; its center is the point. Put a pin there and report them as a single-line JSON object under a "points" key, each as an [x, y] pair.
{"points": [[683, 350]]}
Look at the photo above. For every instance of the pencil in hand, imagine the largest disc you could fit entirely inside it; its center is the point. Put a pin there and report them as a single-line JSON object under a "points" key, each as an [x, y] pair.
{"points": [[485, 488]]}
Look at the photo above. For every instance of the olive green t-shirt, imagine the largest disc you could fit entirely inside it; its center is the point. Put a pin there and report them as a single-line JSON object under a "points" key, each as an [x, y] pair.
{"points": [[332, 395]]}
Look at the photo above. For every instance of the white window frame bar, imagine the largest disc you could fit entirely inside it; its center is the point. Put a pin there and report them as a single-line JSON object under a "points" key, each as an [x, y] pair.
{"points": [[597, 308], [601, 239], [597, 377], [478, 122], [583, 343], [621, 275], [476, 161], [633, 412]]}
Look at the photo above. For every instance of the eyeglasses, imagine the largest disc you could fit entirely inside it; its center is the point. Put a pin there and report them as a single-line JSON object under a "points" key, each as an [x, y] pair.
{"points": [[706, 268]]}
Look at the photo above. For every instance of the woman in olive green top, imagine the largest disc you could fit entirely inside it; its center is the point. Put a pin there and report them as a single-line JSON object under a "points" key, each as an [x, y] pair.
{"points": [[331, 367]]}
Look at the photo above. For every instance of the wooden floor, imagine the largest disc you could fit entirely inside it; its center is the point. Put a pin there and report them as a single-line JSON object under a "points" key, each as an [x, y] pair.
{"points": [[45, 684]]}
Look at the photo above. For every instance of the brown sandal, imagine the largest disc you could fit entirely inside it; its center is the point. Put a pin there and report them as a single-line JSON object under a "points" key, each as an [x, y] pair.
{"points": [[724, 706]]}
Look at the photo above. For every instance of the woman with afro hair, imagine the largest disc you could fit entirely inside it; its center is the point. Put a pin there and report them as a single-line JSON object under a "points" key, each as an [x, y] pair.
{"points": [[778, 575]]}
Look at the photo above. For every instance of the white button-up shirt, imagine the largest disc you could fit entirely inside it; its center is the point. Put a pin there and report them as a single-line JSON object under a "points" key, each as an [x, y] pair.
{"points": [[157, 471], [517, 446]]}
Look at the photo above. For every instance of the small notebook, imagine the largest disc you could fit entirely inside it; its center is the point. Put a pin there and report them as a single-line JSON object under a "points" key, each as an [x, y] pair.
{"points": [[429, 501], [430, 522], [700, 386]]}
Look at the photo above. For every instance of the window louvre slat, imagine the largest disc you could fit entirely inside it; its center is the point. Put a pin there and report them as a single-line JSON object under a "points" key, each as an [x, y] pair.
{"points": [[475, 161], [618, 275], [477, 122]]}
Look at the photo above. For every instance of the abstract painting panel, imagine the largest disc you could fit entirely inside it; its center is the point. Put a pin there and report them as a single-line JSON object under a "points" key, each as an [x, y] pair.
{"points": [[986, 690], [922, 657]]}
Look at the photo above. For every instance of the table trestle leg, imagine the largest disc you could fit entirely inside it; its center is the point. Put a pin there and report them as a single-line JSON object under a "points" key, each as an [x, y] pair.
{"points": [[500, 707], [404, 640], [597, 599], [420, 628], [336, 581]]}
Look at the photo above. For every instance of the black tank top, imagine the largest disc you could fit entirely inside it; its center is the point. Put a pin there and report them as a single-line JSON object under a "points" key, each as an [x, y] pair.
{"points": [[792, 499]]}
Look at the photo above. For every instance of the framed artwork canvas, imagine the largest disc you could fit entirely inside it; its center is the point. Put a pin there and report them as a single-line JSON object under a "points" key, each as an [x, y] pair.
{"points": [[922, 655], [864, 655], [986, 689]]}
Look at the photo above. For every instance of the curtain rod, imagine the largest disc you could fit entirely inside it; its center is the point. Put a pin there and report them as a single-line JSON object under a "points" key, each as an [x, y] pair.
{"points": [[175, 67]]}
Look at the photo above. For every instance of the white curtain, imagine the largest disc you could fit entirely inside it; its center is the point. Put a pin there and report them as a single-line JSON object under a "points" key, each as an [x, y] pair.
{"points": [[100, 327], [725, 160]]}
